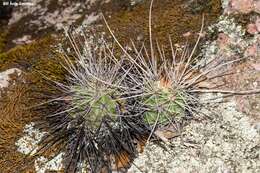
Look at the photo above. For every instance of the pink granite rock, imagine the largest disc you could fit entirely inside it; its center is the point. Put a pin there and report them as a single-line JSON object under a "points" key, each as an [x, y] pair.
{"points": [[252, 29], [242, 6], [251, 50], [257, 6], [257, 23], [256, 67]]}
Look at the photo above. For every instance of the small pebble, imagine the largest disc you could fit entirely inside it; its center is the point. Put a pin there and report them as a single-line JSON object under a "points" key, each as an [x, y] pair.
{"points": [[252, 29], [223, 40], [251, 51]]}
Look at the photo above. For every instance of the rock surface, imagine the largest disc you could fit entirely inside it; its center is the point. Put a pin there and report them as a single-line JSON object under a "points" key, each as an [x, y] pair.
{"points": [[228, 143], [5, 77]]}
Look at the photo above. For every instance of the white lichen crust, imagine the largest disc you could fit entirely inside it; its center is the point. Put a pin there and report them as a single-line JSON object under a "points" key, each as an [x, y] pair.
{"points": [[228, 143], [28, 144], [5, 77], [42, 164]]}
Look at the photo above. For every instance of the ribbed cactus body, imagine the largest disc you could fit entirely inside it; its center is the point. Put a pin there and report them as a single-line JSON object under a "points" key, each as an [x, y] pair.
{"points": [[164, 105]]}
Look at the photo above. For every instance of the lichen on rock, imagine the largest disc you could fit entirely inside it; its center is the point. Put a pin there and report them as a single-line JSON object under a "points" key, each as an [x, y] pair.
{"points": [[228, 143]]}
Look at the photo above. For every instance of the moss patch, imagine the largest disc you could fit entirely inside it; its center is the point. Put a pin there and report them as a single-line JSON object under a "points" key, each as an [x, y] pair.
{"points": [[33, 59], [2, 41], [169, 17], [14, 115]]}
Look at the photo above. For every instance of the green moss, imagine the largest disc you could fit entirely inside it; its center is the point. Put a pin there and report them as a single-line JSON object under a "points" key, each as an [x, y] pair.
{"points": [[38, 56], [39, 63], [2, 41], [169, 18]]}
